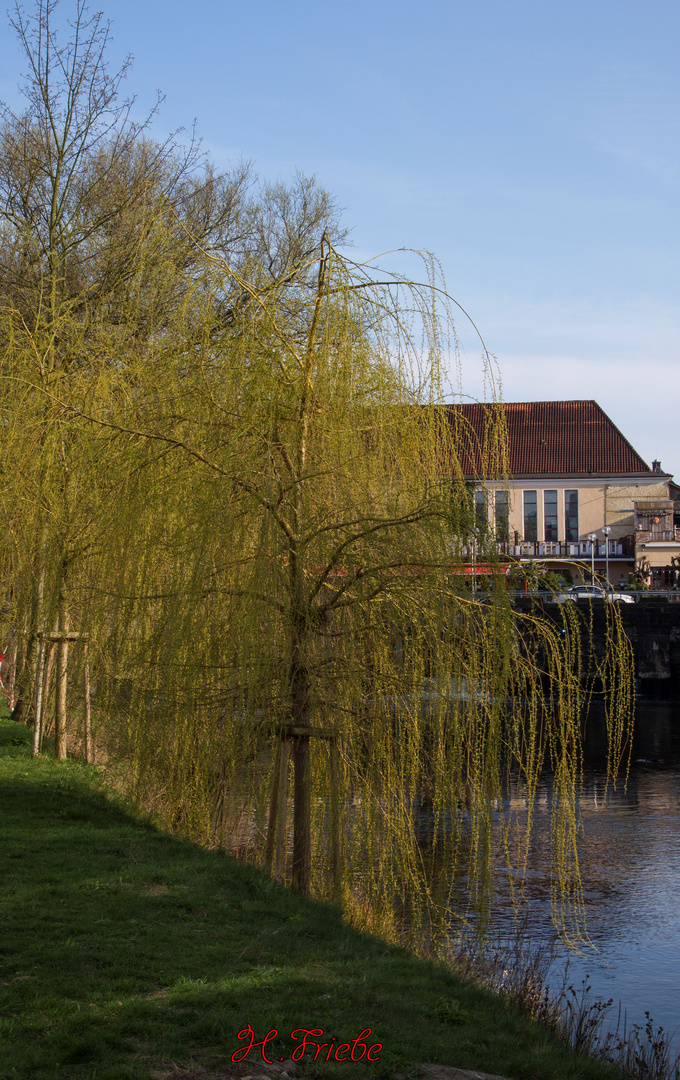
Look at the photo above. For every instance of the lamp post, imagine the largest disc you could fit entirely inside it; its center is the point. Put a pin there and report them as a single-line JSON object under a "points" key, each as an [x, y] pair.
{"points": [[606, 530], [593, 540]]}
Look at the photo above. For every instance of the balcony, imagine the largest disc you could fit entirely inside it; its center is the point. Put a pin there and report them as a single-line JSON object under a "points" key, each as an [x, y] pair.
{"points": [[655, 522], [658, 535], [623, 548]]}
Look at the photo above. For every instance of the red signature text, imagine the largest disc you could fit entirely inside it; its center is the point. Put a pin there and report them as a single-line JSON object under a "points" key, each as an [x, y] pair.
{"points": [[308, 1044]]}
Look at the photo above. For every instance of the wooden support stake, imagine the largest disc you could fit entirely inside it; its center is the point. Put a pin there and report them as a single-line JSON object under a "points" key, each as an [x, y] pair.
{"points": [[335, 817], [89, 747], [273, 807], [37, 724], [302, 837], [275, 850], [64, 635], [59, 640], [12, 670], [60, 708], [282, 813], [278, 811], [47, 679]]}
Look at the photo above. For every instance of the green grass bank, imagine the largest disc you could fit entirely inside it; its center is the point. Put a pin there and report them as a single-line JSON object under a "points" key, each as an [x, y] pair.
{"points": [[130, 954]]}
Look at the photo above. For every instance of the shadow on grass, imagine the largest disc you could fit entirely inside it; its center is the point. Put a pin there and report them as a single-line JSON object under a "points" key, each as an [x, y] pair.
{"points": [[126, 949]]}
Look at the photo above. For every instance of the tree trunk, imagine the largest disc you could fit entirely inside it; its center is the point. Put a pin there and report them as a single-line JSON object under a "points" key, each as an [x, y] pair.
{"points": [[30, 659], [22, 674], [336, 846], [300, 716], [302, 818], [276, 832]]}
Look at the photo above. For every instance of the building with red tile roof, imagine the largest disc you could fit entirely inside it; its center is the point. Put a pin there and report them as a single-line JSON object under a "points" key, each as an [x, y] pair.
{"points": [[574, 484], [557, 438]]}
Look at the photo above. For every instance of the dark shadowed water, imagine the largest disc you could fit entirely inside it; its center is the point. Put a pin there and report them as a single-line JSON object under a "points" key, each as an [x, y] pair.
{"points": [[630, 865]]}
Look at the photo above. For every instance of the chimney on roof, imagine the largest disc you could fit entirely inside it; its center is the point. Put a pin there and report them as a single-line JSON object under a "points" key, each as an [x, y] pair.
{"points": [[656, 466]]}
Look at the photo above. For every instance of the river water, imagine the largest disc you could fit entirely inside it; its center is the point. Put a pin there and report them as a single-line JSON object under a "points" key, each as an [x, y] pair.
{"points": [[630, 866]]}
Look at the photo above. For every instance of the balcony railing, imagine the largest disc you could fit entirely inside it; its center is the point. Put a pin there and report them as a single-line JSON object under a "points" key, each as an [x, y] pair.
{"points": [[562, 549], [646, 536]]}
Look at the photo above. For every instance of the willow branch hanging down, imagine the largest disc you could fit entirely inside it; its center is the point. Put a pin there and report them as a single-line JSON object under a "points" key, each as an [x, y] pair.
{"points": [[293, 576]]}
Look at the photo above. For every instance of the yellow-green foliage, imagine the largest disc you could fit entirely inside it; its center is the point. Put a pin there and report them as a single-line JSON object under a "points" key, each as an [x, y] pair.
{"points": [[237, 476], [291, 552], [276, 538]]}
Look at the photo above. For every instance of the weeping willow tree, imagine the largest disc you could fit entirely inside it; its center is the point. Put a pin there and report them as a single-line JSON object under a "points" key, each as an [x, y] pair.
{"points": [[285, 591], [98, 230], [227, 460]]}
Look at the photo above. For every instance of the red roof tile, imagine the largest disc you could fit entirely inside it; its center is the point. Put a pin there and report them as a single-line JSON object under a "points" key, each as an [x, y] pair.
{"points": [[553, 438]]}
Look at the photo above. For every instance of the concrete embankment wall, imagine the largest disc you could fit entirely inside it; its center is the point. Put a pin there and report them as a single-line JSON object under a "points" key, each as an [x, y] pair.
{"points": [[653, 628]]}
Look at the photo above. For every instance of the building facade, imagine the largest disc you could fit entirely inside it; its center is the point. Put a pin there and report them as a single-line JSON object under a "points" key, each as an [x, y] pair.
{"points": [[577, 494]]}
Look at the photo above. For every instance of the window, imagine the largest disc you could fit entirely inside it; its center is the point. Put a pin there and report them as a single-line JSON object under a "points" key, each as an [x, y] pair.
{"points": [[530, 516], [571, 515], [502, 516], [481, 514], [550, 515]]}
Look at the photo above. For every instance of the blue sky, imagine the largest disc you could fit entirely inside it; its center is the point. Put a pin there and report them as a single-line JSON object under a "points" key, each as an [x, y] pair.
{"points": [[533, 146]]}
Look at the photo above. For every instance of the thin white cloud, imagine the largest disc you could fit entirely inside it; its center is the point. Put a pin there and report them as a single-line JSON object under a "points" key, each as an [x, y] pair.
{"points": [[626, 357], [644, 330], [640, 396]]}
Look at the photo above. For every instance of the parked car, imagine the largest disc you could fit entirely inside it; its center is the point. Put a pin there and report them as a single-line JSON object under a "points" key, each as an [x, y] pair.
{"points": [[592, 592]]}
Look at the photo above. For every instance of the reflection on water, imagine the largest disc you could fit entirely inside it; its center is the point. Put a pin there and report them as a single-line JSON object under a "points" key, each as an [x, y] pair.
{"points": [[630, 865]]}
